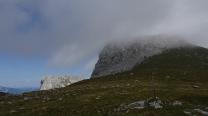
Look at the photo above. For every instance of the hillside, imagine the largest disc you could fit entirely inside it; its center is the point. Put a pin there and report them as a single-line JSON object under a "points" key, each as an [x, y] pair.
{"points": [[184, 63], [178, 77]]}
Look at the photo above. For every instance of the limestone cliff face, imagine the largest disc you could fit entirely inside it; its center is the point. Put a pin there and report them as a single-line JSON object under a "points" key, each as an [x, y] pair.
{"points": [[123, 56], [52, 82]]}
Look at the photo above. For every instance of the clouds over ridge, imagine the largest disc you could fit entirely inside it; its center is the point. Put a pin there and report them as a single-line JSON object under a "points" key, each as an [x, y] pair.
{"points": [[67, 32]]}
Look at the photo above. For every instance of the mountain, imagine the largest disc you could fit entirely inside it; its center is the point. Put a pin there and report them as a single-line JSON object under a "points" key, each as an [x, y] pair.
{"points": [[52, 82], [123, 56], [173, 82], [15, 91]]}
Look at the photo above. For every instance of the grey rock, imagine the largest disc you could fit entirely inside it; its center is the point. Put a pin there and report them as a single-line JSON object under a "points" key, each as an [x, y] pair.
{"points": [[98, 97], [21, 108], [137, 105], [155, 103], [9, 102], [60, 99], [177, 103], [52, 82], [204, 113], [195, 86], [187, 113], [13, 111]]}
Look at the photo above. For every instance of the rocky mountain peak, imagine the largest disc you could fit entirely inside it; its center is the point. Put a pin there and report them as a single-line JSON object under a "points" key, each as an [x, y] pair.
{"points": [[124, 55]]}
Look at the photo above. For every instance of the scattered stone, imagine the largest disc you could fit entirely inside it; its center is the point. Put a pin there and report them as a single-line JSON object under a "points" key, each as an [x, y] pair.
{"points": [[155, 102], [26, 98], [9, 102], [187, 113], [103, 87], [136, 105], [98, 111], [127, 84], [21, 108], [131, 74], [60, 99], [204, 113], [48, 99], [97, 98], [136, 80], [195, 86], [177, 103], [13, 111], [167, 77]]}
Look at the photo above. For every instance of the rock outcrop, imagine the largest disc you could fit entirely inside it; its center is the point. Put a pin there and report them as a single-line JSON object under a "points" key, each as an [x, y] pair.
{"points": [[52, 82], [124, 55]]}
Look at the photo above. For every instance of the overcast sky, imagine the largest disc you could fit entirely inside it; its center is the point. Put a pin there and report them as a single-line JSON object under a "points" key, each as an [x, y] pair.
{"points": [[40, 37]]}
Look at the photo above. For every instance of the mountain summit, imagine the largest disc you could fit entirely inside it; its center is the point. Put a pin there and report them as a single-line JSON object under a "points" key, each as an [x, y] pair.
{"points": [[124, 55]]}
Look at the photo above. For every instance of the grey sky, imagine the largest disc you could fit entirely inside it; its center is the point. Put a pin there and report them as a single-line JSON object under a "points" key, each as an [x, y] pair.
{"points": [[70, 32]]}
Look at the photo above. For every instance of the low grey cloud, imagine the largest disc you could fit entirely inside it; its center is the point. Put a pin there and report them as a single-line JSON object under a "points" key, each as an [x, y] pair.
{"points": [[68, 32]]}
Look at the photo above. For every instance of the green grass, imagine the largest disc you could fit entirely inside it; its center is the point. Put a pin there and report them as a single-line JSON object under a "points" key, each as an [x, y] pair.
{"points": [[101, 97], [188, 64], [104, 96]]}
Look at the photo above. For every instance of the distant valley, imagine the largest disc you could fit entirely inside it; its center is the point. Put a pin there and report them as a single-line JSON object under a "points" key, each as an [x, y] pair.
{"points": [[16, 90]]}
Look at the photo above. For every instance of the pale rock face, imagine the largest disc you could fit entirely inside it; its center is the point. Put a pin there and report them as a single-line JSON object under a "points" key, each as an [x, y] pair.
{"points": [[124, 55], [52, 82]]}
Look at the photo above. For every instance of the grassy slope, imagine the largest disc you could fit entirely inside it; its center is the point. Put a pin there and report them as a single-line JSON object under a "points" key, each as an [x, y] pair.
{"points": [[103, 96], [188, 64]]}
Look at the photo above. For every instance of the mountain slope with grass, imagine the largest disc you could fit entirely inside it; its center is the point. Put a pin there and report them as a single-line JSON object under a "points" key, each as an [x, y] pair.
{"points": [[172, 83], [184, 63]]}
